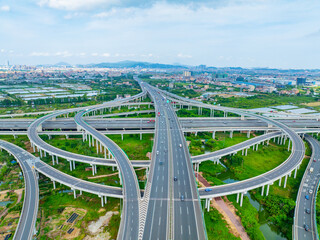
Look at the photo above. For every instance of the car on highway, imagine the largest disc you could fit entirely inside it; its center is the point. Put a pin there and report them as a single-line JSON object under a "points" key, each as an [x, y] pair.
{"points": [[308, 210], [158, 113], [182, 198], [157, 152], [310, 191], [180, 145], [307, 197], [161, 162], [175, 179], [208, 190], [306, 227]]}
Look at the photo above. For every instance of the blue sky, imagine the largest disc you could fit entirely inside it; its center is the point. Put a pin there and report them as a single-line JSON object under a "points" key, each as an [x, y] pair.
{"points": [[261, 33]]}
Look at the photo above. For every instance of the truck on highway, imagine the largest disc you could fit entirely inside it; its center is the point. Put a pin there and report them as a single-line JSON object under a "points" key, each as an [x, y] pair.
{"points": [[158, 113], [311, 170]]}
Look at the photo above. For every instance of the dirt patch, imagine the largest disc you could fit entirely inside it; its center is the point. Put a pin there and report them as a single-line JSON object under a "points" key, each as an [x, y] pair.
{"points": [[97, 226], [312, 104]]}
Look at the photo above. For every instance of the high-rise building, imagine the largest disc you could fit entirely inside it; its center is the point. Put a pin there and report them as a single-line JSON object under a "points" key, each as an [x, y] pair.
{"points": [[187, 74], [301, 81]]}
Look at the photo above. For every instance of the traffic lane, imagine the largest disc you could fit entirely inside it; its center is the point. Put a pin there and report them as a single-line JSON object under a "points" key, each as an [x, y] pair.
{"points": [[30, 204], [310, 184]]}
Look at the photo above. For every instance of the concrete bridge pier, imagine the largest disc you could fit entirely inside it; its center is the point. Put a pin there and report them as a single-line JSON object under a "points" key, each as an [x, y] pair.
{"points": [[238, 195], [280, 181], [295, 172], [53, 160], [97, 146], [248, 134], [213, 134], [246, 152], [74, 164], [289, 145], [285, 181], [241, 199], [122, 136], [268, 187], [54, 184], [105, 199], [140, 136], [57, 159], [70, 165], [231, 134], [262, 190], [92, 167], [74, 193], [89, 140]]}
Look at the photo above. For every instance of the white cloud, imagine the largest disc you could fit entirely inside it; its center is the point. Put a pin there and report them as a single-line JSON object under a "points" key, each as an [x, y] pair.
{"points": [[5, 8], [72, 5], [40, 54], [94, 54], [105, 55], [180, 55]]}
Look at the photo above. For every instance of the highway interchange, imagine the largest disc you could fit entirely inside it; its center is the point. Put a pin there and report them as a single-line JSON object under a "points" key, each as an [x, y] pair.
{"points": [[170, 207]]}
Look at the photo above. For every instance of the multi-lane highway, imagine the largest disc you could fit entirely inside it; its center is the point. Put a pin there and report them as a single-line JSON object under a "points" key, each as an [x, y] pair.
{"points": [[305, 226], [27, 221], [146, 123], [180, 213]]}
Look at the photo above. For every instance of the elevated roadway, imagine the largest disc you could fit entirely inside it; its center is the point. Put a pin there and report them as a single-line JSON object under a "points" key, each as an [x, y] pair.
{"points": [[26, 225], [129, 225], [305, 208]]}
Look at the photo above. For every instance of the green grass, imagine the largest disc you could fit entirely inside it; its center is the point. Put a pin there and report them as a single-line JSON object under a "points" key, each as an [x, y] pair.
{"points": [[261, 161], [217, 228], [135, 148], [249, 217]]}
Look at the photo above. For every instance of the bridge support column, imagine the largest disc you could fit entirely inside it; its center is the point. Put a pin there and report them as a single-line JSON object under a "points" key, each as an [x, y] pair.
{"points": [[92, 167], [231, 134], [246, 152], [268, 186], [105, 153], [211, 113], [100, 147], [248, 134], [213, 134], [49, 136], [97, 146], [268, 142], [257, 146], [53, 160], [89, 140], [80, 192], [57, 159], [241, 199], [238, 195], [40, 153], [74, 193], [74, 164], [54, 184], [289, 145], [285, 181], [105, 199], [93, 142], [278, 140], [242, 117], [122, 136], [33, 147], [140, 136], [70, 165], [67, 136], [295, 172], [262, 190], [95, 168], [280, 181], [102, 203], [242, 152]]}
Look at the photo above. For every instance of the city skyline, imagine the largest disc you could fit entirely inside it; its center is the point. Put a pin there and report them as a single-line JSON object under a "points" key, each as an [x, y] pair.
{"points": [[274, 34]]}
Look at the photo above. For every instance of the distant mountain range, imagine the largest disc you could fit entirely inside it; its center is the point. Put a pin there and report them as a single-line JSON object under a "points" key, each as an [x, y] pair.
{"points": [[132, 64]]}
